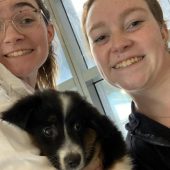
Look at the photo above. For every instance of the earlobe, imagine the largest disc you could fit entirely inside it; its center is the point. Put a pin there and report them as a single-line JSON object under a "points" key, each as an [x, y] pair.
{"points": [[164, 33], [51, 33]]}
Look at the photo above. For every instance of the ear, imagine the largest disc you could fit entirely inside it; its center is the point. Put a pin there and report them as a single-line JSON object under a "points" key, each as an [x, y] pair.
{"points": [[165, 32], [19, 113], [104, 126], [112, 143], [50, 33]]}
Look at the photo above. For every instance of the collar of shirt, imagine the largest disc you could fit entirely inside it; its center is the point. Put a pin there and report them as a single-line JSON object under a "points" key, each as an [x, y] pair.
{"points": [[147, 129]]}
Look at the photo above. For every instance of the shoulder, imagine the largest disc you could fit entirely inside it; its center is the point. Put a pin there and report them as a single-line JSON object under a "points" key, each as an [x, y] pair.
{"points": [[148, 142], [11, 88], [18, 152], [5, 100], [147, 156]]}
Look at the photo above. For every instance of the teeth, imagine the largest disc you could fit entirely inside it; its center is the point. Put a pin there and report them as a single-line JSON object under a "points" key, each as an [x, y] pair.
{"points": [[128, 62], [18, 53]]}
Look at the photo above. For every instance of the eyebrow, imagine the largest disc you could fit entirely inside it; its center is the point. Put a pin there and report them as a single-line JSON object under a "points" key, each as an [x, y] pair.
{"points": [[96, 26], [22, 4], [131, 10], [121, 16]]}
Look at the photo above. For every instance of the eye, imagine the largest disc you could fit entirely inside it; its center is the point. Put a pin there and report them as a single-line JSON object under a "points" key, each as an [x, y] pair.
{"points": [[48, 132], [27, 21], [77, 126], [136, 23], [100, 38]]}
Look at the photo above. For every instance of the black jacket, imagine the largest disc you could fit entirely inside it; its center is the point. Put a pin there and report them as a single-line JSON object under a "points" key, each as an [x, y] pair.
{"points": [[149, 142]]}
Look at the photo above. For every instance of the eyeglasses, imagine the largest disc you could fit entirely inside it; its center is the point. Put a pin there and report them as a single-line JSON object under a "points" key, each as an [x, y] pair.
{"points": [[26, 21]]}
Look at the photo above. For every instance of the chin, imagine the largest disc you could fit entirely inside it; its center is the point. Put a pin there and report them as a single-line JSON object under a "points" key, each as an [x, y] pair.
{"points": [[133, 83]]}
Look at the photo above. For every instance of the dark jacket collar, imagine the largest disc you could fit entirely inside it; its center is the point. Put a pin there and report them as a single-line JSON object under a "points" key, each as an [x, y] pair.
{"points": [[147, 129]]}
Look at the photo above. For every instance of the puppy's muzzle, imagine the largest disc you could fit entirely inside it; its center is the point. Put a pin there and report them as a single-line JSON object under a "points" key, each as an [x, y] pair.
{"points": [[72, 160]]}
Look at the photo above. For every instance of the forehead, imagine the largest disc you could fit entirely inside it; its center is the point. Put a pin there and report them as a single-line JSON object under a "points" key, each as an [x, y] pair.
{"points": [[106, 9], [15, 5], [115, 5]]}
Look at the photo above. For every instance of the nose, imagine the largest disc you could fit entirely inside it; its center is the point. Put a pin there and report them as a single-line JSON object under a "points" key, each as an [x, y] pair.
{"points": [[120, 43], [72, 160], [12, 35]]}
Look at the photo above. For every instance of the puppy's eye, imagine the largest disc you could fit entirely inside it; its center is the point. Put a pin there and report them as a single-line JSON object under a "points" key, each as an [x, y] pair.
{"points": [[77, 126], [48, 131]]}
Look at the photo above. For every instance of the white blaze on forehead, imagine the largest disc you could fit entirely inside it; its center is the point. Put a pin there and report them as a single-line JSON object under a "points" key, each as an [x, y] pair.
{"points": [[66, 103], [69, 147]]}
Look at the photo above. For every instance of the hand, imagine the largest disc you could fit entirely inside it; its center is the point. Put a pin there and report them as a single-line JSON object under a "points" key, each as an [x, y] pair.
{"points": [[95, 165]]}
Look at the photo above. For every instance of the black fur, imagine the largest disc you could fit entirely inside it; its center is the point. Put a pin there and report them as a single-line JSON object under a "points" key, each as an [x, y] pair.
{"points": [[42, 116]]}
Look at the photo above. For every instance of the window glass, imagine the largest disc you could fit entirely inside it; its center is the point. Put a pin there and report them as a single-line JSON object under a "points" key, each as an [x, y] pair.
{"points": [[64, 71], [116, 103], [165, 4], [74, 10]]}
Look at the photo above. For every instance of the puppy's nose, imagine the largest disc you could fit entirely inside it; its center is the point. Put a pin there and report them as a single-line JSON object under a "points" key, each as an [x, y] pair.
{"points": [[72, 160]]}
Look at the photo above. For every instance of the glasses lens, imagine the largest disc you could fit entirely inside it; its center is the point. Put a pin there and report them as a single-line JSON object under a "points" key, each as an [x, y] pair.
{"points": [[1, 27], [27, 21]]}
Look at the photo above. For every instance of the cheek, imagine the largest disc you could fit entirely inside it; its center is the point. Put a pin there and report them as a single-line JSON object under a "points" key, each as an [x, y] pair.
{"points": [[100, 55], [42, 42], [153, 45], [151, 37], [101, 59]]}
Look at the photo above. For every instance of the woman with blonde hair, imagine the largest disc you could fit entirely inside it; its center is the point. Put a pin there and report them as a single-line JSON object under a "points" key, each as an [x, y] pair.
{"points": [[128, 41]]}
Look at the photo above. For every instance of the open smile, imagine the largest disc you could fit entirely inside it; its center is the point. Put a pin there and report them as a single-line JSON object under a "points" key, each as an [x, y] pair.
{"points": [[128, 62], [18, 53]]}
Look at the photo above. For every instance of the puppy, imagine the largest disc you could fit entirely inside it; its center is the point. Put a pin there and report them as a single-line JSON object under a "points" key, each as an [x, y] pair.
{"points": [[69, 130]]}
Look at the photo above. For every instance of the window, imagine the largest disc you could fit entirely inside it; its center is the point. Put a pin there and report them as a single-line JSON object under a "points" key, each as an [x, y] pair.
{"points": [[116, 103], [165, 4], [73, 9], [64, 71]]}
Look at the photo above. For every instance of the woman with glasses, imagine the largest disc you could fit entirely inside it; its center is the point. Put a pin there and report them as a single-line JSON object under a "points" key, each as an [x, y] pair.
{"points": [[128, 41], [27, 63], [26, 53]]}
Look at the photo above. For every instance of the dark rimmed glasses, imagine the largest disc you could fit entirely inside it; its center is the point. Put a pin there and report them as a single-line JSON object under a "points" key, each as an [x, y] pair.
{"points": [[26, 21]]}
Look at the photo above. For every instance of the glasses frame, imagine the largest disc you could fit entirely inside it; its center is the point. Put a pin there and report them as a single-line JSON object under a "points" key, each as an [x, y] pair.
{"points": [[12, 19]]}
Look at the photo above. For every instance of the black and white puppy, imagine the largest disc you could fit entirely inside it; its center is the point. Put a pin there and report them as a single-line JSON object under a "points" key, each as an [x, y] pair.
{"points": [[69, 130]]}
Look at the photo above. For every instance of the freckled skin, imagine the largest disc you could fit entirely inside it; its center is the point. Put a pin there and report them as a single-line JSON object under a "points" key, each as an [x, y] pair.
{"points": [[124, 40]]}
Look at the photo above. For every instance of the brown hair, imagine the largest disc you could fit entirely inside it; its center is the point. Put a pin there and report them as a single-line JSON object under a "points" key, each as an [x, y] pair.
{"points": [[154, 6], [48, 72]]}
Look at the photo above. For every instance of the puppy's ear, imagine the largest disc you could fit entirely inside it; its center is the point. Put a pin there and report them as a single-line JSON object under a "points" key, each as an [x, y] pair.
{"points": [[112, 143], [19, 113], [104, 126]]}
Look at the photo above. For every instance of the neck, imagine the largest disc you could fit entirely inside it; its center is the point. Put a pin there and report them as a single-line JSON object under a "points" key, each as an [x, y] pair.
{"points": [[154, 102], [31, 81]]}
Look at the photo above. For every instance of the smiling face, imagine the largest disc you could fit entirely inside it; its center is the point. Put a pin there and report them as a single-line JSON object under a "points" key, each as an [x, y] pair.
{"points": [[23, 54], [127, 43]]}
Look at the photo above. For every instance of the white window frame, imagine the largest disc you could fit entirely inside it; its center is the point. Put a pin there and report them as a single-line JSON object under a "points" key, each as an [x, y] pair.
{"points": [[83, 78]]}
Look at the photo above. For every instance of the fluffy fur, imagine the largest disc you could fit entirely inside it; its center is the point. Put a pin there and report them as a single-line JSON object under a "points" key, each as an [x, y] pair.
{"points": [[69, 130]]}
